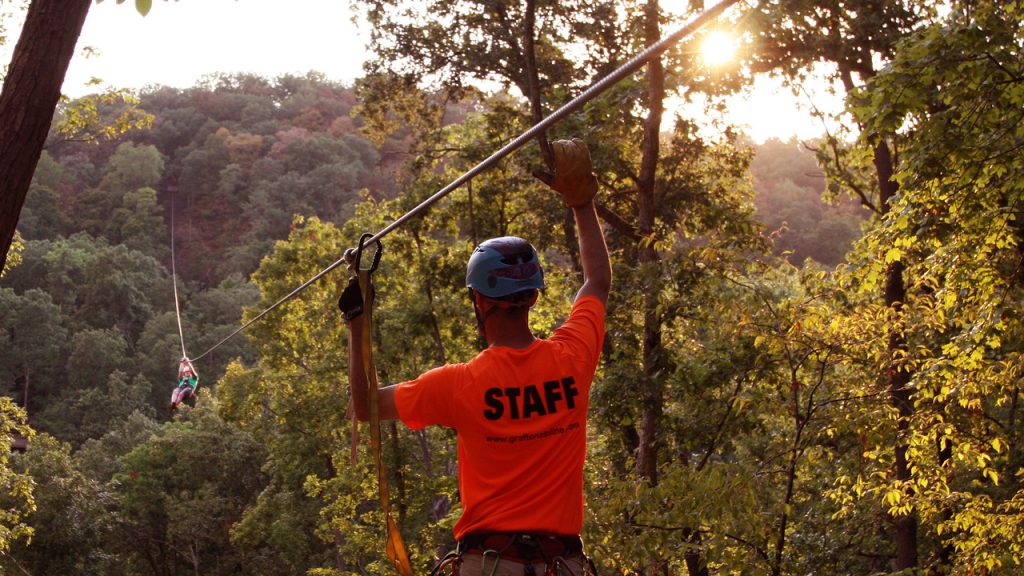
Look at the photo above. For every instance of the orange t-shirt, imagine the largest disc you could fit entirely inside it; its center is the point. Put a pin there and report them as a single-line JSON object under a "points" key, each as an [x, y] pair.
{"points": [[521, 418]]}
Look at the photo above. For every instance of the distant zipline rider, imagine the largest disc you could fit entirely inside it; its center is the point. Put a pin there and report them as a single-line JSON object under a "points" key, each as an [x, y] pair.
{"points": [[188, 380], [520, 406]]}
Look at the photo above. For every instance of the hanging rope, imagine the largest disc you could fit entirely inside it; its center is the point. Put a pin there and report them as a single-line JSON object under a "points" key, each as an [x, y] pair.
{"points": [[596, 89], [174, 280]]}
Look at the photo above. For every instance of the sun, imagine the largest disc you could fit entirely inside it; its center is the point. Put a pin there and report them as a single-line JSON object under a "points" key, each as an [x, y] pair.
{"points": [[717, 49]]}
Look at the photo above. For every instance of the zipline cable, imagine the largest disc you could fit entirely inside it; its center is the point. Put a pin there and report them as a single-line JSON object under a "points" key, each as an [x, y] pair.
{"points": [[174, 281], [587, 95], [573, 105]]}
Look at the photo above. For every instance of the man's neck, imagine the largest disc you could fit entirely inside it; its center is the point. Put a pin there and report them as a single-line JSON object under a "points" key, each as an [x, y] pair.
{"points": [[508, 331]]}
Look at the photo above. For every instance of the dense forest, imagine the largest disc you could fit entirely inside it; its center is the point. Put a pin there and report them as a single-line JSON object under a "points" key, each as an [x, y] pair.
{"points": [[813, 353]]}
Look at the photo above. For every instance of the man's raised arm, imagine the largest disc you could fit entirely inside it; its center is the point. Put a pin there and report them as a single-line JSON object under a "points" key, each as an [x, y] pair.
{"points": [[575, 180]]}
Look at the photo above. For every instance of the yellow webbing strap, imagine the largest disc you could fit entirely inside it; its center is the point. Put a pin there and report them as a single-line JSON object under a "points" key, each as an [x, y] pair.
{"points": [[395, 544]]}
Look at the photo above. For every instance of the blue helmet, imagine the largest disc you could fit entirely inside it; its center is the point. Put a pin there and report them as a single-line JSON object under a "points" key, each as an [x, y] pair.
{"points": [[503, 266]]}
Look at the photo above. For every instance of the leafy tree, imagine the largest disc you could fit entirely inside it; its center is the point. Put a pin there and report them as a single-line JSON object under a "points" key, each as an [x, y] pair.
{"points": [[120, 199], [141, 223], [245, 154], [122, 289], [30, 96], [80, 415], [99, 117], [51, 173], [854, 38], [177, 121], [949, 95], [47, 213], [305, 173], [100, 458], [73, 519], [291, 402], [181, 490], [42, 214], [14, 255], [95, 283], [94, 355], [16, 497], [132, 167], [98, 285], [33, 342]]}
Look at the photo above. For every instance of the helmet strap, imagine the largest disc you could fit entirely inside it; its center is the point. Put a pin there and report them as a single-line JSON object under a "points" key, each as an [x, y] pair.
{"points": [[481, 319]]}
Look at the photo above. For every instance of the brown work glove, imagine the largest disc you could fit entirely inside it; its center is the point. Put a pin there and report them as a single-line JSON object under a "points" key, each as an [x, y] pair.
{"points": [[574, 177]]}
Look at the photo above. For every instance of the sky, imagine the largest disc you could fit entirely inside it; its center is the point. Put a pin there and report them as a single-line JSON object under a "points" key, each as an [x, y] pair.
{"points": [[179, 42]]}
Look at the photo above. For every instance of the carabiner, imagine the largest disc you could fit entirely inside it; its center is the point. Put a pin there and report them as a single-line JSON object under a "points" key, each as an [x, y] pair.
{"points": [[376, 254]]}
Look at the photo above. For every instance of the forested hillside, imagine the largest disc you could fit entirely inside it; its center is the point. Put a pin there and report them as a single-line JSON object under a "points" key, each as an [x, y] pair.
{"points": [[791, 201], [229, 165], [813, 351]]}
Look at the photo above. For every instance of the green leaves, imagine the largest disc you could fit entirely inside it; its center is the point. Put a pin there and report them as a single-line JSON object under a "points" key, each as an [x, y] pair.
{"points": [[17, 501], [142, 6], [101, 117]]}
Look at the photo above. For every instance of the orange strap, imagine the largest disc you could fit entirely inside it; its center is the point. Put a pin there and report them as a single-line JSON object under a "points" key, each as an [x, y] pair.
{"points": [[395, 544]]}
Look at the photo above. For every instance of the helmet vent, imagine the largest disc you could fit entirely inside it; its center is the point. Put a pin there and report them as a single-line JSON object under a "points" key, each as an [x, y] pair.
{"points": [[517, 271], [513, 259]]}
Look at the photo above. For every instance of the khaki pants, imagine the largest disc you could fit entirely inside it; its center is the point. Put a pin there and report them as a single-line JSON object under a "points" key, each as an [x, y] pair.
{"points": [[476, 564]]}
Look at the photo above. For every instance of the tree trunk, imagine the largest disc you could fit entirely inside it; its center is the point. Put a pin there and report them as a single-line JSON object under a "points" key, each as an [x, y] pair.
{"points": [[533, 77], [791, 473], [194, 551], [647, 459], [536, 115], [947, 549], [24, 393], [428, 288], [29, 98], [653, 354], [696, 563], [898, 378]]}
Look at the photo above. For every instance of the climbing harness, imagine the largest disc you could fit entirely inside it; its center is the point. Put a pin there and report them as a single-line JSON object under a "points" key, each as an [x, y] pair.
{"points": [[596, 89], [395, 545], [516, 554]]}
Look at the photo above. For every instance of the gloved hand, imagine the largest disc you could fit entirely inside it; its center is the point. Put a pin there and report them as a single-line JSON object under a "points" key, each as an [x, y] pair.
{"points": [[574, 177], [351, 301]]}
